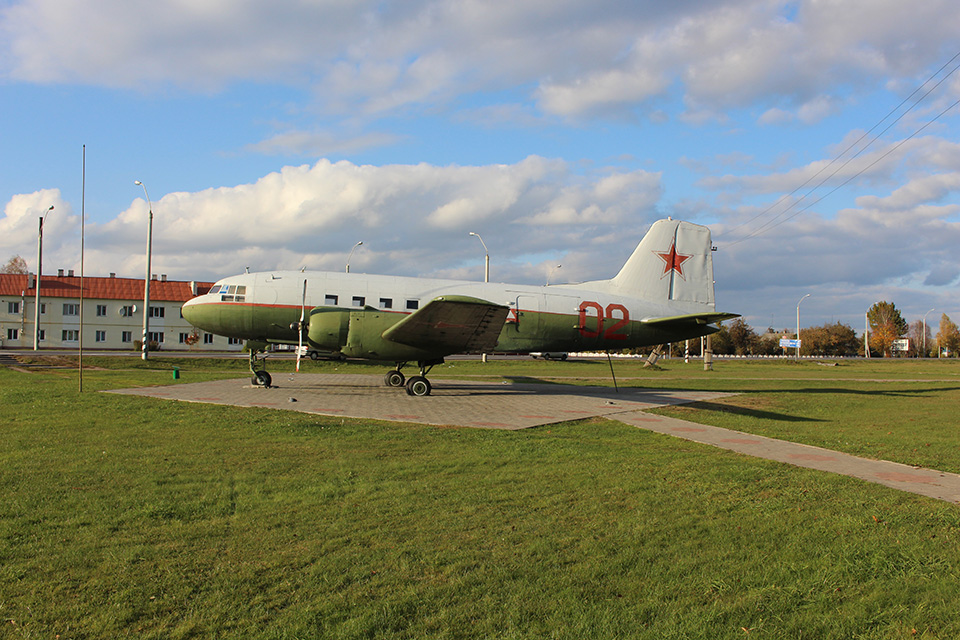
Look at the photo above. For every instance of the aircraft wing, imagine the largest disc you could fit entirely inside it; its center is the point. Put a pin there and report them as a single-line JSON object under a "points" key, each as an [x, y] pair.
{"points": [[454, 324], [692, 318]]}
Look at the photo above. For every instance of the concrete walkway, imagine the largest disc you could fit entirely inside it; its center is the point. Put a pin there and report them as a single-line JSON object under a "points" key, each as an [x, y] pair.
{"points": [[511, 406], [926, 482]]}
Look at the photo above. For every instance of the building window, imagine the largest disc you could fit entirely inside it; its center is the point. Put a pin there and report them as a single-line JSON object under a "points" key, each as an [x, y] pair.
{"points": [[413, 305], [208, 338], [330, 300], [156, 312], [155, 336], [43, 335], [126, 336], [184, 337], [13, 307], [71, 335], [234, 341], [126, 311], [101, 336], [101, 310], [13, 334], [359, 301], [71, 309], [43, 308], [386, 303]]}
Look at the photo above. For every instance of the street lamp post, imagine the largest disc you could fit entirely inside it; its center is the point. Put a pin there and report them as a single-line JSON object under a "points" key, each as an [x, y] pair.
{"points": [[36, 310], [351, 255], [486, 273], [552, 269], [486, 258], [798, 324], [924, 338], [146, 281]]}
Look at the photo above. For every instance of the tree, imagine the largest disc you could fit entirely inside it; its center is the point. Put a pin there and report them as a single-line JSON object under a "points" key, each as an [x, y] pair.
{"points": [[16, 264], [835, 339], [886, 325], [743, 339], [720, 342], [768, 344], [949, 336]]}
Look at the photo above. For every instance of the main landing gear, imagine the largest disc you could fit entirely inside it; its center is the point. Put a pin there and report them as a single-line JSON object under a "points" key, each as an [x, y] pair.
{"points": [[416, 385]]}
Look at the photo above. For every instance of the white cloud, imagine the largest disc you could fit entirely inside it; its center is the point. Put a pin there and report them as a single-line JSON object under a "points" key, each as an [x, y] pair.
{"points": [[413, 219], [320, 143], [19, 226], [373, 58]]}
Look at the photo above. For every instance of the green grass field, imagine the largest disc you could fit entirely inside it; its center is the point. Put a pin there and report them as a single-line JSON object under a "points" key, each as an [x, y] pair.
{"points": [[132, 517]]}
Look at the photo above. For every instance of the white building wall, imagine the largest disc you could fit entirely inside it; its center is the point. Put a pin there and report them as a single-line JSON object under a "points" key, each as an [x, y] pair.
{"points": [[60, 329]]}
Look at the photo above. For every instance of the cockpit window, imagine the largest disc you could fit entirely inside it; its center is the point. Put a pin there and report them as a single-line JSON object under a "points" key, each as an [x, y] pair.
{"points": [[231, 292]]}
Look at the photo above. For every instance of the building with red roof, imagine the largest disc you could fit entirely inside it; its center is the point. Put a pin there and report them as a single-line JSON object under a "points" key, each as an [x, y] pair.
{"points": [[112, 313]]}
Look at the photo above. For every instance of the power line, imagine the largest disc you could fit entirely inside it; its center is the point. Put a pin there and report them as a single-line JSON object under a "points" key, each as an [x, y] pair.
{"points": [[772, 223]]}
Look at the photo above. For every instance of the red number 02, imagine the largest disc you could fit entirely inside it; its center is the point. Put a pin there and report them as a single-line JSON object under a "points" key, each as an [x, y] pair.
{"points": [[610, 333]]}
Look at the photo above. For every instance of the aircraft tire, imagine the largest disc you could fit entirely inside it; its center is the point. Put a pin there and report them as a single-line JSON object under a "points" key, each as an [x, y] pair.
{"points": [[314, 356], [418, 386], [262, 379], [393, 378]]}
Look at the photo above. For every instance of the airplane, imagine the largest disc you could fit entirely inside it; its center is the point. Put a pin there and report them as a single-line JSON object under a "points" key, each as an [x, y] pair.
{"points": [[664, 293]]}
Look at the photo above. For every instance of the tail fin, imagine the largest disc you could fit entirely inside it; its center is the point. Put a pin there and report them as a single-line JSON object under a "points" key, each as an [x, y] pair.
{"points": [[673, 262]]}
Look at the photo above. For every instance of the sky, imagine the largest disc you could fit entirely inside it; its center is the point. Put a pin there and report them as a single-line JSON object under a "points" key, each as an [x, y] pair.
{"points": [[818, 140]]}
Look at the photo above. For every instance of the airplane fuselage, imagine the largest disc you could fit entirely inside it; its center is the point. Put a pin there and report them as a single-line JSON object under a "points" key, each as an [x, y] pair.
{"points": [[265, 307]]}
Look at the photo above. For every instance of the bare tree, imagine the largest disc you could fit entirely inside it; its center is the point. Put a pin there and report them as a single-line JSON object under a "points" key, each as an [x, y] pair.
{"points": [[16, 264]]}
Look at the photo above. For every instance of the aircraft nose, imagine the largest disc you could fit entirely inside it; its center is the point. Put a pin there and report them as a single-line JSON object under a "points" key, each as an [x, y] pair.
{"points": [[200, 314]]}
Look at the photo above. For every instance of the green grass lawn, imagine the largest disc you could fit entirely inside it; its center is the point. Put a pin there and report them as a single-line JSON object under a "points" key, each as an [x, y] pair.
{"points": [[133, 517]]}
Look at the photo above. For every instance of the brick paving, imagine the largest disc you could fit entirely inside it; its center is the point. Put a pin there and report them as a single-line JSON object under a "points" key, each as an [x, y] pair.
{"points": [[453, 402], [514, 406]]}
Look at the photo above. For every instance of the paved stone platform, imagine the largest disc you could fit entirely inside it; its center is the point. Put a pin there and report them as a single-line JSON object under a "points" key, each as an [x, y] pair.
{"points": [[464, 403]]}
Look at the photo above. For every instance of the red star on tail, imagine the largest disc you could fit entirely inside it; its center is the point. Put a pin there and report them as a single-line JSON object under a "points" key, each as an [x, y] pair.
{"points": [[673, 261]]}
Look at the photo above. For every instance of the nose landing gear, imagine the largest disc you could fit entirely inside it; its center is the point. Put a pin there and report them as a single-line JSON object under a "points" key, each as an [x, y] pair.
{"points": [[258, 367]]}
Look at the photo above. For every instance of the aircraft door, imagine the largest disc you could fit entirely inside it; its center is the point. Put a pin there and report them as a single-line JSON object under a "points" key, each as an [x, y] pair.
{"points": [[525, 319]]}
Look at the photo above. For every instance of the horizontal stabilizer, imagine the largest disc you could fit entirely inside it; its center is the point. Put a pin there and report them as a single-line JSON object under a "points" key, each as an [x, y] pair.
{"points": [[692, 318], [455, 324]]}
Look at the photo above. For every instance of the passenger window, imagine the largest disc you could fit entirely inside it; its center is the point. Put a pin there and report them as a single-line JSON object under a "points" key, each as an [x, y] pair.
{"points": [[413, 305], [386, 303], [330, 300], [359, 301]]}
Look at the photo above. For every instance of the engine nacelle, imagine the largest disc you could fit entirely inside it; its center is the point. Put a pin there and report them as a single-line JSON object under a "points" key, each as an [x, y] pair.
{"points": [[328, 328]]}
